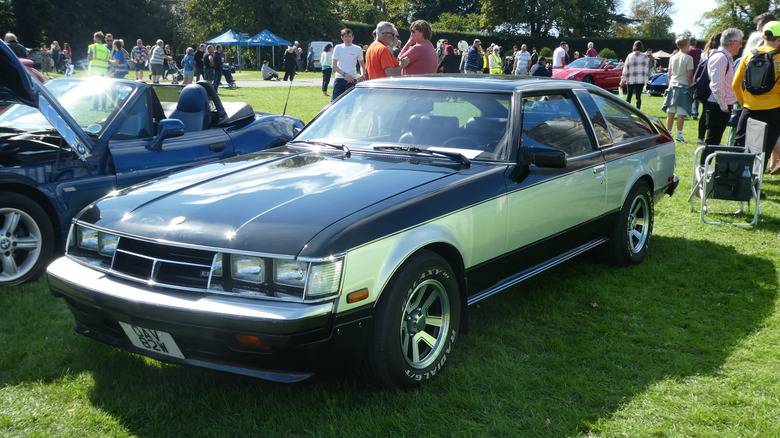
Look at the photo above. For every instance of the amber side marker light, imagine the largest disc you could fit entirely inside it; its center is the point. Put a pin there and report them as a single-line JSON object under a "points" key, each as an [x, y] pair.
{"points": [[356, 296], [252, 341]]}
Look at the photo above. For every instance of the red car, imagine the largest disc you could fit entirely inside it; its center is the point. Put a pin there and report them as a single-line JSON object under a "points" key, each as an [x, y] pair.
{"points": [[600, 71]]}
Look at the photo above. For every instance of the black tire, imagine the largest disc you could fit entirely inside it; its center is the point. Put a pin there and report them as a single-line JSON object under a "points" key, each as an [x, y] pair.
{"points": [[588, 80], [26, 239], [417, 321], [630, 236]]}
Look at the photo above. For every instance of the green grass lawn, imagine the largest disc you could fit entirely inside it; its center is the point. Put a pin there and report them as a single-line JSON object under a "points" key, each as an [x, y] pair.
{"points": [[685, 344]]}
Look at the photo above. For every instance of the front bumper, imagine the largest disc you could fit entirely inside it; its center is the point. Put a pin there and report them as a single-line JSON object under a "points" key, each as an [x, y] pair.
{"points": [[297, 340]]}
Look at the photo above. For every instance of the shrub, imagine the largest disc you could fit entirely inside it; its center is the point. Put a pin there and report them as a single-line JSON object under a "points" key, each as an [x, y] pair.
{"points": [[546, 52], [608, 53]]}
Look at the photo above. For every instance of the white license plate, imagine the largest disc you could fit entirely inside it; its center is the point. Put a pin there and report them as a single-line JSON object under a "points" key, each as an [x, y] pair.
{"points": [[152, 340]]}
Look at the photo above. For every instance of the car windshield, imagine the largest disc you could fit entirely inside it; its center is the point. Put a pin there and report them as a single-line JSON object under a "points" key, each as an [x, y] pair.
{"points": [[586, 63], [469, 123], [91, 102]]}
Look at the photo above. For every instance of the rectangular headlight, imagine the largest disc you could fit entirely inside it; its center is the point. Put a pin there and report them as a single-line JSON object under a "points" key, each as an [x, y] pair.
{"points": [[107, 244], [247, 268], [290, 273], [94, 240], [324, 279], [87, 238]]}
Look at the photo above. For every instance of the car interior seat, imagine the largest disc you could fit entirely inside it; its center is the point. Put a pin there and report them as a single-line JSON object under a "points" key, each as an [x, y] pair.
{"points": [[193, 108]]}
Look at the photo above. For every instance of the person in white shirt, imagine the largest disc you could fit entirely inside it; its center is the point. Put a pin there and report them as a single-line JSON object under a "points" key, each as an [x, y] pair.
{"points": [[345, 59], [559, 55], [522, 61]]}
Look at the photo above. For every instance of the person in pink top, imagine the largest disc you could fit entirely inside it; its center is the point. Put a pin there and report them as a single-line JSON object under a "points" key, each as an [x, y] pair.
{"points": [[419, 50]]}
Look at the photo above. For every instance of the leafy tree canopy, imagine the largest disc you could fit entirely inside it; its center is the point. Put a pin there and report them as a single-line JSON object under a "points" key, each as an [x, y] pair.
{"points": [[736, 13]]}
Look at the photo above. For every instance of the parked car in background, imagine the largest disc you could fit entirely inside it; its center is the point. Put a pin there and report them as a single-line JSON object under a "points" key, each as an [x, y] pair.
{"points": [[70, 141], [318, 46], [657, 84], [35, 56], [81, 64], [602, 72], [360, 244]]}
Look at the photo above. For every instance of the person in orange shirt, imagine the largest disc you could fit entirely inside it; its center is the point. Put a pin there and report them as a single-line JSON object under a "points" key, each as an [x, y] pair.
{"points": [[380, 61]]}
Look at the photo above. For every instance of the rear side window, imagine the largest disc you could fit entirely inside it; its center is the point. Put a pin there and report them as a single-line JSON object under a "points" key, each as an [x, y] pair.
{"points": [[553, 120], [624, 122]]}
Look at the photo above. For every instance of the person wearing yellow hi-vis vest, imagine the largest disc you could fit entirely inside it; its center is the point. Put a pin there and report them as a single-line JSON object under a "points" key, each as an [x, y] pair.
{"points": [[98, 56], [495, 61]]}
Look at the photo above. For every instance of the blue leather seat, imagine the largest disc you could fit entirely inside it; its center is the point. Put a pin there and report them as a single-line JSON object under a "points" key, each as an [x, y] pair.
{"points": [[193, 108]]}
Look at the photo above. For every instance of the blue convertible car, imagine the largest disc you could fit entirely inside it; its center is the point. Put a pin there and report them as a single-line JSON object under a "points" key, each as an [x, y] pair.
{"points": [[67, 143]]}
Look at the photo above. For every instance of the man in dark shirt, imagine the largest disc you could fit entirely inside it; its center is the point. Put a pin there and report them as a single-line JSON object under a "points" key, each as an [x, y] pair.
{"points": [[540, 68], [217, 66], [199, 61], [17, 48]]}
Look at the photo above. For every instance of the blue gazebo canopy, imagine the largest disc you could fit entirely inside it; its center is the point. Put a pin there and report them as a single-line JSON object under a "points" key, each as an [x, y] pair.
{"points": [[267, 38], [229, 38]]}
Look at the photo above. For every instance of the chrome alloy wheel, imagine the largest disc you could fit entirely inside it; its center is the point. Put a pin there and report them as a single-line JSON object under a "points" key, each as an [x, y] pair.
{"points": [[638, 226], [20, 244], [425, 323]]}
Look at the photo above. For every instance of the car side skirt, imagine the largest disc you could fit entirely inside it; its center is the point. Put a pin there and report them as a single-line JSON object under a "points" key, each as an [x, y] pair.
{"points": [[493, 276]]}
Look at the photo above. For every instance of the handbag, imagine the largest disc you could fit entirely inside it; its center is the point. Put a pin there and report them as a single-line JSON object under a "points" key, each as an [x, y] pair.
{"points": [[734, 118]]}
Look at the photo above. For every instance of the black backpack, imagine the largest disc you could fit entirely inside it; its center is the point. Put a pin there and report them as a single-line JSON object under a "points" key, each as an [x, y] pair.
{"points": [[760, 72], [700, 87]]}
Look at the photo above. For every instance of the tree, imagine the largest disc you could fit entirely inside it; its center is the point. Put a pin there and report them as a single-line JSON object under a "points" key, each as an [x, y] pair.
{"points": [[398, 12], [304, 20], [452, 21], [543, 18], [653, 18], [42, 21], [736, 13]]}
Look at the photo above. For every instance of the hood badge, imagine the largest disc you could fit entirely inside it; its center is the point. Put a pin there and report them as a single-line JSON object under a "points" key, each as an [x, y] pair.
{"points": [[178, 220]]}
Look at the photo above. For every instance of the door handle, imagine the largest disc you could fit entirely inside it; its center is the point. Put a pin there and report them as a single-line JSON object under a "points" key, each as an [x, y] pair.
{"points": [[217, 147], [599, 169]]}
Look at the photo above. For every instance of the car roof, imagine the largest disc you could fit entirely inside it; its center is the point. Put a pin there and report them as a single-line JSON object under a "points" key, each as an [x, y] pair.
{"points": [[484, 83]]}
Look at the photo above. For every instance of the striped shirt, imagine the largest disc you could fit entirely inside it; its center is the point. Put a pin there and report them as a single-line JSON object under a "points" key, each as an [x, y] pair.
{"points": [[635, 68], [721, 78]]}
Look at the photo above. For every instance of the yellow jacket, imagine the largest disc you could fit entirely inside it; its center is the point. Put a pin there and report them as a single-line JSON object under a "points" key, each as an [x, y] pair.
{"points": [[750, 101]]}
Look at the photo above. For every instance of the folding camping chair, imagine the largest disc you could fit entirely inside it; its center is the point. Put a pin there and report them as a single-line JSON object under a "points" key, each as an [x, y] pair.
{"points": [[730, 174]]}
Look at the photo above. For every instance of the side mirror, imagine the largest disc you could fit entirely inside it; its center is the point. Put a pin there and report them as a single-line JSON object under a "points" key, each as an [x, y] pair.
{"points": [[168, 128], [609, 67], [544, 157]]}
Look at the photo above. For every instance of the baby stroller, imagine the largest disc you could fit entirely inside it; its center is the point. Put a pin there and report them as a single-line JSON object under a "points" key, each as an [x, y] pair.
{"points": [[176, 74], [228, 75]]}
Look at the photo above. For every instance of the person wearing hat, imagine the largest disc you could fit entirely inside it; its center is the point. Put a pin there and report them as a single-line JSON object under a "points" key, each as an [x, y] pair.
{"points": [[540, 68], [188, 63], [764, 107], [473, 58], [494, 60]]}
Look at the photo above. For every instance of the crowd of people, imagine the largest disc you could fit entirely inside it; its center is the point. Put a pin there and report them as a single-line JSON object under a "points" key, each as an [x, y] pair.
{"points": [[349, 63], [729, 103], [53, 58]]}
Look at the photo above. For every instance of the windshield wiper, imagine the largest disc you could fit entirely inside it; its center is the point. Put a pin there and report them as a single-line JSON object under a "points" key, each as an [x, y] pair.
{"points": [[455, 156], [11, 129], [341, 147]]}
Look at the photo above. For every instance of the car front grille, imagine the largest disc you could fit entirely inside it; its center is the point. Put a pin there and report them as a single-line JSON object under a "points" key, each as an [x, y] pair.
{"points": [[162, 265]]}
